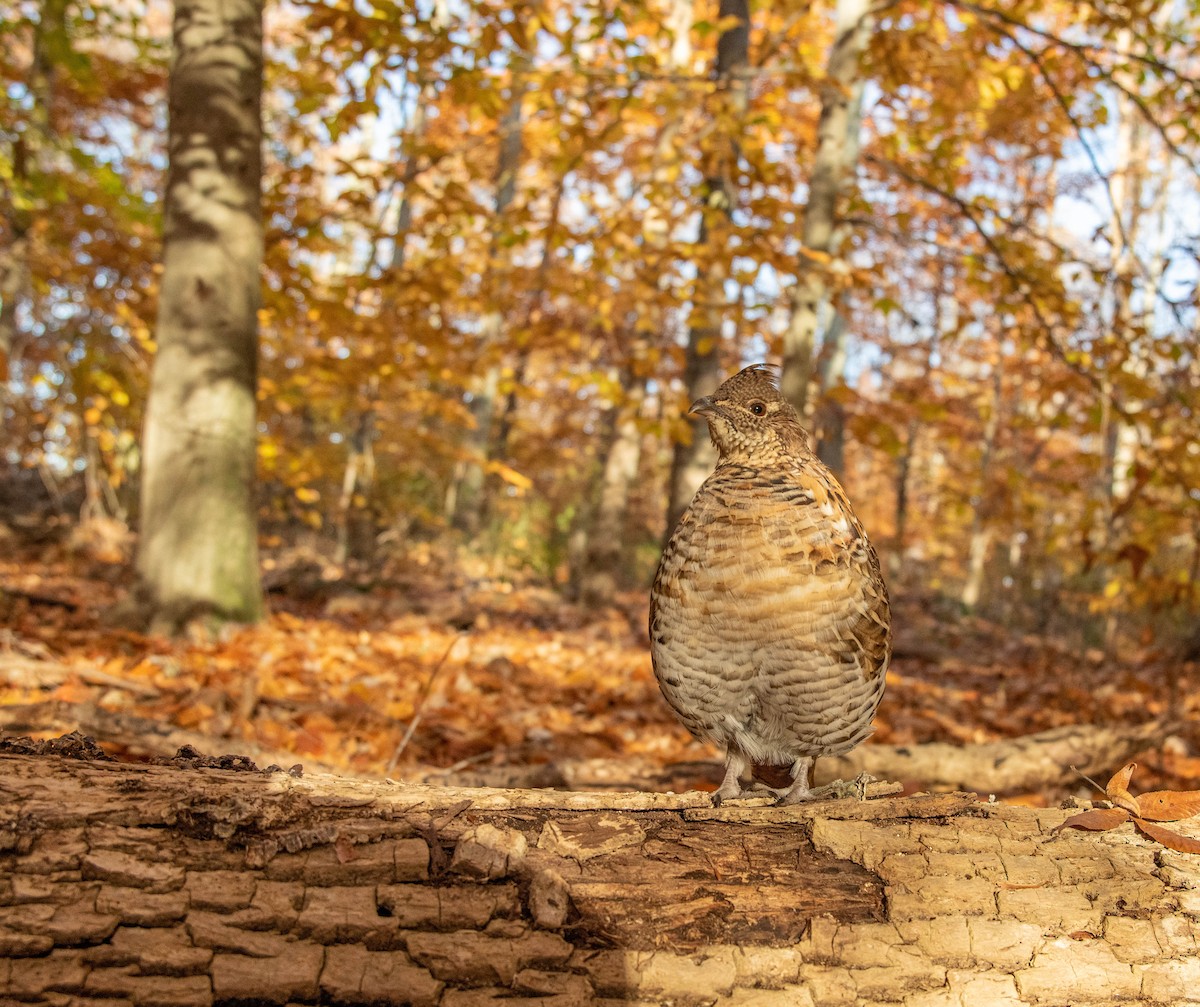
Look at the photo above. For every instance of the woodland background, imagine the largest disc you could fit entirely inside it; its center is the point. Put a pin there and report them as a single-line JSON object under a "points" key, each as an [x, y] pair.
{"points": [[503, 246]]}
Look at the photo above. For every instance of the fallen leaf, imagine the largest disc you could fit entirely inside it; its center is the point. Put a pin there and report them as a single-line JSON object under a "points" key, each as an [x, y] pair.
{"points": [[1096, 820], [1171, 840], [1169, 805], [1118, 789]]}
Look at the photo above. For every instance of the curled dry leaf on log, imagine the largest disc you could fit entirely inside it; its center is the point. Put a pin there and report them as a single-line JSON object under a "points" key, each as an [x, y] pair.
{"points": [[1169, 805], [1144, 811]]}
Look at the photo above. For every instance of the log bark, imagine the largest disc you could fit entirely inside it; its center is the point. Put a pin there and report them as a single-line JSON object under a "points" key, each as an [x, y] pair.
{"points": [[170, 884]]}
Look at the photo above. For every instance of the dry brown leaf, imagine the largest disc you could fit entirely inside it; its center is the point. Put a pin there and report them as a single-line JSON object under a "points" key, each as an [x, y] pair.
{"points": [[1118, 789], [1096, 820], [1169, 805], [1171, 840]]}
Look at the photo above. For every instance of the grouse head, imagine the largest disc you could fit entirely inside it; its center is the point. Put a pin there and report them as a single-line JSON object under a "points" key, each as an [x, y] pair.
{"points": [[750, 421]]}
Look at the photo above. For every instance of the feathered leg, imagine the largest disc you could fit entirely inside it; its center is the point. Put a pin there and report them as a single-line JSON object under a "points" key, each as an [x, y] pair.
{"points": [[731, 786]]}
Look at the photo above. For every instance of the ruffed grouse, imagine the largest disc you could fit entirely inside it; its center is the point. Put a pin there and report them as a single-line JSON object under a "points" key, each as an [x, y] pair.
{"points": [[769, 621]]}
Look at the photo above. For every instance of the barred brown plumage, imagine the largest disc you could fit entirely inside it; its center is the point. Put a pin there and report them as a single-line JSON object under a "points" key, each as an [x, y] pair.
{"points": [[770, 630]]}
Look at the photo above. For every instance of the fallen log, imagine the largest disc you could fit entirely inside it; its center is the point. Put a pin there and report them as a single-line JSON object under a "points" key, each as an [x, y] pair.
{"points": [[1015, 765], [127, 732], [195, 886], [1032, 763]]}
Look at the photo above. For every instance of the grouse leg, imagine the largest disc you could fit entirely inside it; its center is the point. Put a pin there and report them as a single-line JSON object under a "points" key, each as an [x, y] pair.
{"points": [[731, 786], [799, 791]]}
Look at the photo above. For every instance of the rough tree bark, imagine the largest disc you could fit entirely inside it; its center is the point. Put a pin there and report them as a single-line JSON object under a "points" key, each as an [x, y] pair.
{"points": [[198, 554], [186, 885], [983, 503]]}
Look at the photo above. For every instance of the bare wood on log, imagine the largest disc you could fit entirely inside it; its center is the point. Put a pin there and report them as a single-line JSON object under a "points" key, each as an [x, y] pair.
{"points": [[155, 884]]}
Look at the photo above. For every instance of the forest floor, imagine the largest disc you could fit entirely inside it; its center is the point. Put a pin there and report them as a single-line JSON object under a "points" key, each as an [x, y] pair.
{"points": [[434, 668]]}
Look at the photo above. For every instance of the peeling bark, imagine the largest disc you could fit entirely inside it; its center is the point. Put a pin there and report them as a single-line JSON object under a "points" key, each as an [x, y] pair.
{"points": [[157, 884]]}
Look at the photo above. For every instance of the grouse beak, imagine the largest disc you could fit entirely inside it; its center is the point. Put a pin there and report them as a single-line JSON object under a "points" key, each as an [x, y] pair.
{"points": [[703, 406]]}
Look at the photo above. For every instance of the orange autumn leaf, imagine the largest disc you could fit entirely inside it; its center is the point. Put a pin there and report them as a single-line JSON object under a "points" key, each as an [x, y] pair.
{"points": [[1118, 789], [1171, 840], [1096, 820], [1169, 805]]}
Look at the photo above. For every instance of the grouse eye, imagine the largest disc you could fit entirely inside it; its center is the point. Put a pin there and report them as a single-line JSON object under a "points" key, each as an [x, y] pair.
{"points": [[757, 408]]}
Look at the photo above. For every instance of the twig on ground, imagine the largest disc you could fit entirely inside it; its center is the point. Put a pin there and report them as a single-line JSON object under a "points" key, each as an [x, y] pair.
{"points": [[419, 710]]}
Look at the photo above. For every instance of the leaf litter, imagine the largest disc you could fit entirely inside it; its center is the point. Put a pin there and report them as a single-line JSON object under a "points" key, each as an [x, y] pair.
{"points": [[1143, 811], [432, 666]]}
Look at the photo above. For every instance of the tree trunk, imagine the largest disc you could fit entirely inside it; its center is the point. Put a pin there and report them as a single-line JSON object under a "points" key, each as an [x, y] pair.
{"points": [[538, 306], [218, 886], [1119, 437], [981, 529], [356, 522], [832, 171], [198, 555], [693, 458], [470, 504], [14, 284], [408, 176], [20, 200], [831, 414], [913, 433], [607, 551]]}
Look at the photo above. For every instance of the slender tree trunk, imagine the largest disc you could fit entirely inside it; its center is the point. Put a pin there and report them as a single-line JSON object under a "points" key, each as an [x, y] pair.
{"points": [[903, 485], [14, 282], [831, 413], [913, 434], [607, 551], [981, 528], [356, 531], [468, 495], [408, 176], [693, 457], [832, 173], [50, 44], [1120, 437], [198, 555], [537, 302]]}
